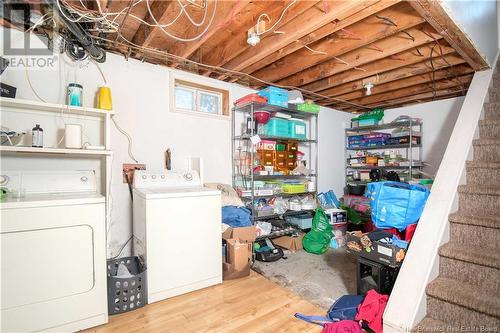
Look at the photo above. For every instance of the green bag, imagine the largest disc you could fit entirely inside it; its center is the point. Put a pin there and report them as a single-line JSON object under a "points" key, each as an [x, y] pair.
{"points": [[317, 240]]}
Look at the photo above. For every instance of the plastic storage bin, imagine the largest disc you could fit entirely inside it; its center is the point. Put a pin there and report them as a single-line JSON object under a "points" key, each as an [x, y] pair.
{"points": [[276, 127], [126, 294], [298, 129], [303, 221], [293, 188], [308, 107], [275, 96]]}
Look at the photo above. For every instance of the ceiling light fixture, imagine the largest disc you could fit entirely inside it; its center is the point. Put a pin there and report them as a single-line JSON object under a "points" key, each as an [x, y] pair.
{"points": [[368, 86], [253, 38]]}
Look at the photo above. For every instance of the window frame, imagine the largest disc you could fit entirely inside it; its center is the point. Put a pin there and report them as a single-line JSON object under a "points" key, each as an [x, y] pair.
{"points": [[198, 89]]}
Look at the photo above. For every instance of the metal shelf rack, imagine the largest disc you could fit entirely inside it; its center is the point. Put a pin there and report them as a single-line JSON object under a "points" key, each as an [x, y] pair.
{"points": [[241, 140], [410, 148]]}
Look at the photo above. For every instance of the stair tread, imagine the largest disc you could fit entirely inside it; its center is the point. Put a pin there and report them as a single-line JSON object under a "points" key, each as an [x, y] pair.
{"points": [[479, 189], [483, 164], [465, 295], [429, 324], [486, 142], [488, 122], [488, 221], [484, 255]]}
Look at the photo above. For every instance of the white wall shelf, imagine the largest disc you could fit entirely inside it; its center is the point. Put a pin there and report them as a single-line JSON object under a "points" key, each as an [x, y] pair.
{"points": [[23, 104], [20, 149]]}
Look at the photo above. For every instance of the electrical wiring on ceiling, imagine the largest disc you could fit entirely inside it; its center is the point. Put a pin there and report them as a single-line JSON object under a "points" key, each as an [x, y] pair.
{"points": [[181, 39], [175, 58], [108, 21], [269, 19]]}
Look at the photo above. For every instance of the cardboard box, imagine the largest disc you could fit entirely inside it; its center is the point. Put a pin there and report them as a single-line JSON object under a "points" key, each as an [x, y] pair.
{"points": [[238, 259], [244, 234], [386, 254], [239, 252], [290, 243]]}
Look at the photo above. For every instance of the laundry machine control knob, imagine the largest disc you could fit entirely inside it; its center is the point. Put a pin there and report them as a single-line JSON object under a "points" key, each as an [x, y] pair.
{"points": [[162, 176], [4, 179], [84, 179], [144, 177], [188, 176], [153, 176]]}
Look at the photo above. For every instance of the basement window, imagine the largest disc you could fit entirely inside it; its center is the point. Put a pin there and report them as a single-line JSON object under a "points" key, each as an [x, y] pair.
{"points": [[201, 99]]}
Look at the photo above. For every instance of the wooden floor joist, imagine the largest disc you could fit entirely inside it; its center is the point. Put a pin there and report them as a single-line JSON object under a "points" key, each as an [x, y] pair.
{"points": [[318, 34], [439, 19], [359, 57], [395, 74], [446, 83], [310, 21], [370, 30], [326, 47], [411, 81], [398, 60]]}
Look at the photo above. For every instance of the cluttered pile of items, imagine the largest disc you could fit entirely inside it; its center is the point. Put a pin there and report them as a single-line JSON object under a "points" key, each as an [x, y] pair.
{"points": [[395, 209]]}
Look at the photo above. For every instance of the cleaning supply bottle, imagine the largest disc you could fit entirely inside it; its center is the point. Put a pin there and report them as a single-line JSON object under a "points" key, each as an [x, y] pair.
{"points": [[37, 136]]}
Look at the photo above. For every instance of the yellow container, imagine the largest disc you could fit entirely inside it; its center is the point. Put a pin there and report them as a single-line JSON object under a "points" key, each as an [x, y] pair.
{"points": [[293, 188], [104, 101]]}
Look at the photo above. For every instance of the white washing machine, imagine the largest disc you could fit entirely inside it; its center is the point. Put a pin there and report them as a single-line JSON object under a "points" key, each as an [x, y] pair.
{"points": [[177, 230], [53, 252]]}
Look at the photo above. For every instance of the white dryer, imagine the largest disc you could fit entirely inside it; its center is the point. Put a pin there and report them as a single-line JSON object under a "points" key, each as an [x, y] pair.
{"points": [[177, 230], [53, 252]]}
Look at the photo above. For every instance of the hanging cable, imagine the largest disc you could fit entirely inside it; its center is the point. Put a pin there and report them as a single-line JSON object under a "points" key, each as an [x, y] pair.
{"points": [[278, 21], [180, 39], [129, 139]]}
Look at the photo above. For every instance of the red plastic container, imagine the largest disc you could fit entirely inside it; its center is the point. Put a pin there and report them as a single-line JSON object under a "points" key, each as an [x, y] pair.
{"points": [[250, 98]]}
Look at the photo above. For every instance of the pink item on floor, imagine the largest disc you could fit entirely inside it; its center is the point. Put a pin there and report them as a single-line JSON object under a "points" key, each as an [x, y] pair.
{"points": [[343, 326], [372, 309]]}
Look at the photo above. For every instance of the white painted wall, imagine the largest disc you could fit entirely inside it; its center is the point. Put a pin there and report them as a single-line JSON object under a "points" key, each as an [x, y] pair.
{"points": [[438, 121], [141, 99], [332, 150], [478, 19]]}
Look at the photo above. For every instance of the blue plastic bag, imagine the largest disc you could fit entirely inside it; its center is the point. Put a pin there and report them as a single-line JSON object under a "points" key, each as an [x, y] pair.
{"points": [[236, 216], [395, 204], [344, 308]]}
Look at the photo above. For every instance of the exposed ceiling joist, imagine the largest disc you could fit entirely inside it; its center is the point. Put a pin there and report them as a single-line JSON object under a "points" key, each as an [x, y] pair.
{"points": [[308, 22], [317, 35], [237, 45], [441, 74], [357, 58], [446, 83], [381, 81], [145, 34], [221, 22], [327, 48], [430, 87], [439, 19], [398, 60], [363, 33]]}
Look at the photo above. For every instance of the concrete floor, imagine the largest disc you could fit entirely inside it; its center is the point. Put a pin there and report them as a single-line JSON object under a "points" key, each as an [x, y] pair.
{"points": [[320, 279]]}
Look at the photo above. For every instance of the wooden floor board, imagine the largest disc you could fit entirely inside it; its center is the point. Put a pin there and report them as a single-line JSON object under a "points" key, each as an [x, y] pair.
{"points": [[252, 304]]}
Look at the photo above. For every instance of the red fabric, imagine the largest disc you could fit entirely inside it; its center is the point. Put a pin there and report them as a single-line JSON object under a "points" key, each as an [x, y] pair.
{"points": [[372, 309], [395, 231], [343, 326], [410, 230]]}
